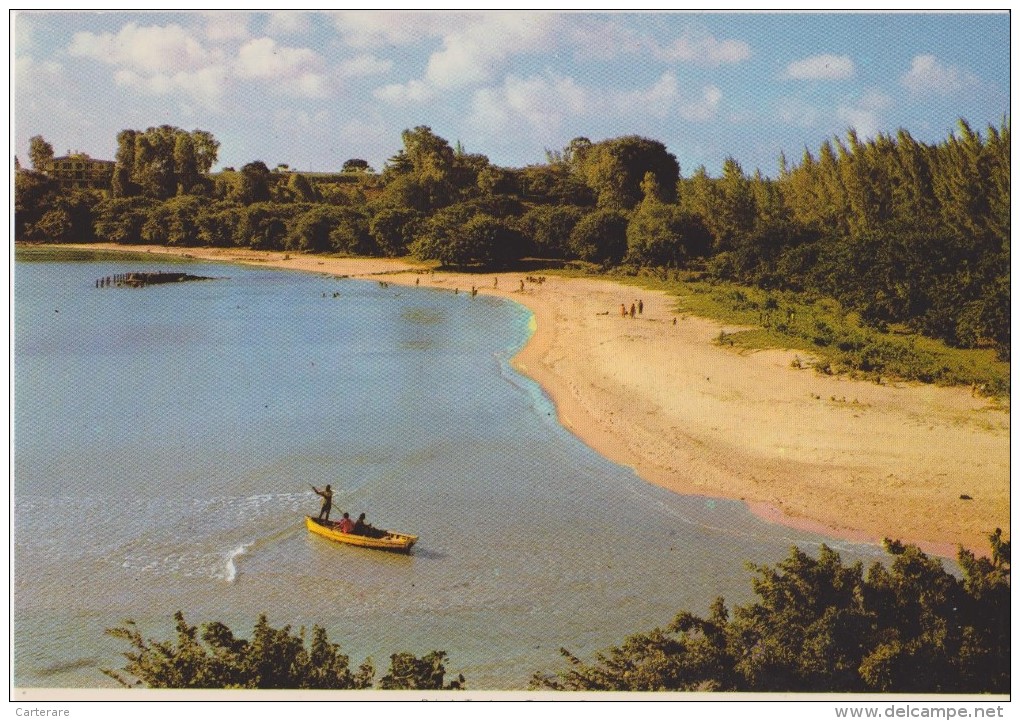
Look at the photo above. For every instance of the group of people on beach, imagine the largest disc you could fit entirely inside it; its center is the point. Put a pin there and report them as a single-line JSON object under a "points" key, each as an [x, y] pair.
{"points": [[359, 527], [636, 308]]}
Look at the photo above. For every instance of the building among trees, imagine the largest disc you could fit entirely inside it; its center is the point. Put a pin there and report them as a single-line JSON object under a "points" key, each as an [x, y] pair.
{"points": [[80, 171]]}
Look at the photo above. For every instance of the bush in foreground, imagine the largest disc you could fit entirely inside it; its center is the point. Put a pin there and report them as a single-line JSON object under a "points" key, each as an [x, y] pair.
{"points": [[272, 659], [820, 625]]}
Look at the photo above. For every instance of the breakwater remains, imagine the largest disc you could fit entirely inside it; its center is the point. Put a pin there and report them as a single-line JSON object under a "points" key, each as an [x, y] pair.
{"points": [[140, 280]]}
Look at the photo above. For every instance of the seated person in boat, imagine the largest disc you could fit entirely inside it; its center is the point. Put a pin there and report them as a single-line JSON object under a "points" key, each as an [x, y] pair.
{"points": [[346, 525], [361, 527]]}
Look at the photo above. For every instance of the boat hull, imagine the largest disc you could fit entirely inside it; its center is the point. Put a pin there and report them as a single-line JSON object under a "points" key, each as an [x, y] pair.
{"points": [[392, 541]]}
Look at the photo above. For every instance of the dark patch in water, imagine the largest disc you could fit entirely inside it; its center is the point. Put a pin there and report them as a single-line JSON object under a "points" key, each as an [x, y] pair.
{"points": [[66, 666], [419, 344], [422, 316]]}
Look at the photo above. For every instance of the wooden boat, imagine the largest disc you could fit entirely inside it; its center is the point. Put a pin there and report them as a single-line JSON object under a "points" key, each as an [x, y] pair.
{"points": [[389, 541]]}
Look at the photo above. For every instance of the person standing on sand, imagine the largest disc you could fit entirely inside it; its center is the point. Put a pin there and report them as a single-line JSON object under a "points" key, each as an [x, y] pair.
{"points": [[327, 501], [623, 310], [640, 306], [632, 310]]}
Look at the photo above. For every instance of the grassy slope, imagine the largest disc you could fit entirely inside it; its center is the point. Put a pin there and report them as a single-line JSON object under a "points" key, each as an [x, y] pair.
{"points": [[833, 340]]}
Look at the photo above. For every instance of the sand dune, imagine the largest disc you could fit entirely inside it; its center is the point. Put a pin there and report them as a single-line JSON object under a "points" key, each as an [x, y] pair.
{"points": [[851, 458]]}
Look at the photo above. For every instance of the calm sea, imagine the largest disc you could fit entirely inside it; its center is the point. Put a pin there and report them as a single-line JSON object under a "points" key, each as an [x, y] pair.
{"points": [[165, 439]]}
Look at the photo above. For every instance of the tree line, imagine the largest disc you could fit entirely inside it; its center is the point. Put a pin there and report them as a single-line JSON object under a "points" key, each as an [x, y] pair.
{"points": [[896, 230], [817, 625]]}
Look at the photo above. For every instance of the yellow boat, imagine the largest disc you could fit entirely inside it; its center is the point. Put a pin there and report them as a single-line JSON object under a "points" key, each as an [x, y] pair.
{"points": [[390, 541]]}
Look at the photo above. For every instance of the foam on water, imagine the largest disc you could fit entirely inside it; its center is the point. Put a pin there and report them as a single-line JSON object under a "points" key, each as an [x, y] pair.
{"points": [[231, 568]]}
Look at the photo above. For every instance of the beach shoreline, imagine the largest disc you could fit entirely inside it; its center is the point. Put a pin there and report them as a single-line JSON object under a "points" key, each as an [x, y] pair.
{"points": [[849, 459]]}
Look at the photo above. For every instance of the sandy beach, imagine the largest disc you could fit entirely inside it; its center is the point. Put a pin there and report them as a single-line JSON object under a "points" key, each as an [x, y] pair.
{"points": [[852, 459]]}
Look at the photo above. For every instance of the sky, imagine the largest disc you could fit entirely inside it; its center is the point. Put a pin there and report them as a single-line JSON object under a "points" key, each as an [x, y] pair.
{"points": [[313, 89]]}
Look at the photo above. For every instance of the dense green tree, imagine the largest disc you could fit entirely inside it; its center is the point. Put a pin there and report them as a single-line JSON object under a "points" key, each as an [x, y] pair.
{"points": [[67, 219], [254, 185], [350, 233], [356, 165], [163, 161], [40, 153], [122, 184], [600, 237], [554, 185], [274, 658], [120, 220], [263, 226], [394, 229], [311, 230], [173, 222], [301, 190], [34, 195], [185, 164], [548, 227], [477, 240], [615, 169]]}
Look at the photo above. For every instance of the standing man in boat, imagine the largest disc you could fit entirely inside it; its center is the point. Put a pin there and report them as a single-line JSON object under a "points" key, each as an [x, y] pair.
{"points": [[327, 501]]}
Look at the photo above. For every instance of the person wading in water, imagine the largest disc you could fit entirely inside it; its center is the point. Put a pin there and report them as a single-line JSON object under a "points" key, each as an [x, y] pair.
{"points": [[327, 501]]}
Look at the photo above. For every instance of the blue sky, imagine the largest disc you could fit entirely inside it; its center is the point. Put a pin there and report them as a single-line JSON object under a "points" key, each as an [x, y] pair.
{"points": [[312, 89]]}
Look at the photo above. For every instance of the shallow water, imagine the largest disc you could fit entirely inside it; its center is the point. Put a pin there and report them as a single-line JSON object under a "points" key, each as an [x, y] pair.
{"points": [[165, 439]]}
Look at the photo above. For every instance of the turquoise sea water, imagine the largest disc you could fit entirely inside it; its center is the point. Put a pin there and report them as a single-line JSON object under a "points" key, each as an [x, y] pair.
{"points": [[165, 439]]}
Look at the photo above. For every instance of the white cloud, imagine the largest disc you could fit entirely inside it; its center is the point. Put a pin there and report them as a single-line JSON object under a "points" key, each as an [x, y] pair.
{"points": [[595, 39], [295, 71], [264, 58], [363, 65], [151, 49], [927, 75], [24, 33], [821, 67], [657, 100], [795, 112], [380, 28], [601, 40], [39, 85], [864, 121], [288, 23], [863, 115], [225, 25], [292, 119], [206, 85], [665, 98], [704, 107], [413, 91], [541, 103], [475, 52], [703, 49]]}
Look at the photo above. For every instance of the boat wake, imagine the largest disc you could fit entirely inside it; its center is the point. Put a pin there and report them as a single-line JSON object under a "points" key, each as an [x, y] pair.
{"points": [[231, 567]]}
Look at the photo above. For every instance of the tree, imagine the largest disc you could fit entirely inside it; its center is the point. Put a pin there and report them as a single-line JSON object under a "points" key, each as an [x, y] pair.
{"points": [[479, 240], [394, 229], [254, 188], [615, 169], [819, 625], [120, 220], [301, 189], [212, 657], [39, 152], [356, 165], [173, 222], [185, 164], [600, 237], [122, 184], [34, 195], [549, 228]]}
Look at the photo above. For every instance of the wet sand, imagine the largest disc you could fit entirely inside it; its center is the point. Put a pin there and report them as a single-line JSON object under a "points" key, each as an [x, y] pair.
{"points": [[847, 458]]}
